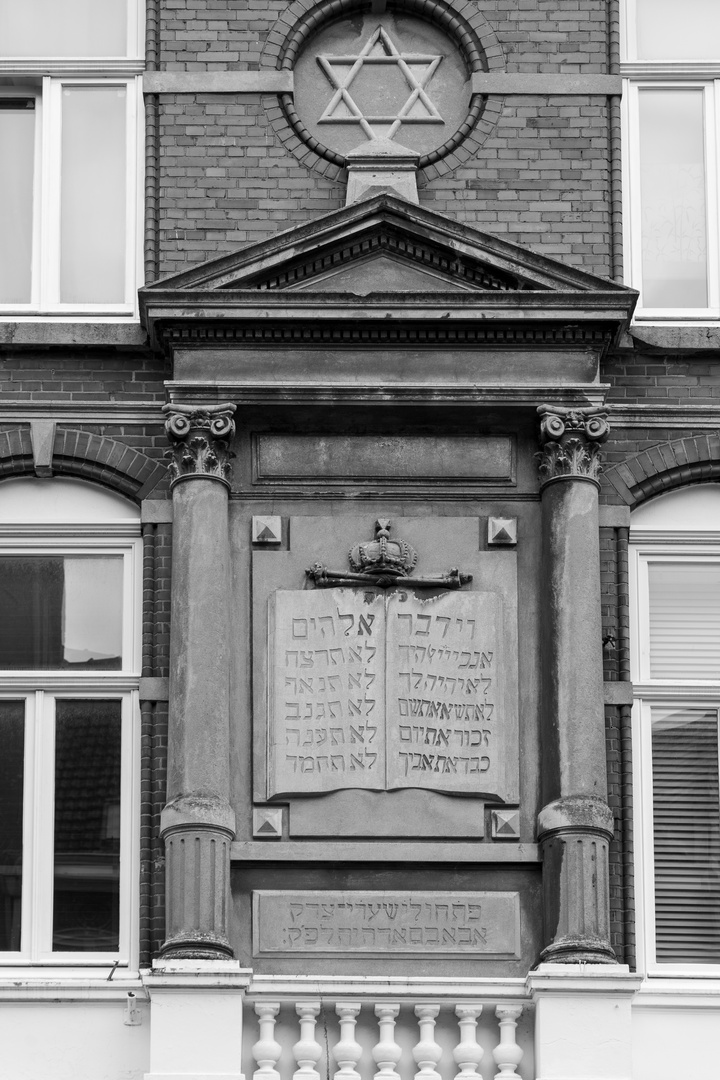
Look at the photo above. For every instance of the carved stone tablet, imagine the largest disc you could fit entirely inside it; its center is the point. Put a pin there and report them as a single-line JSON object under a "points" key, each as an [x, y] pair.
{"points": [[389, 690], [442, 706], [457, 924], [327, 691]]}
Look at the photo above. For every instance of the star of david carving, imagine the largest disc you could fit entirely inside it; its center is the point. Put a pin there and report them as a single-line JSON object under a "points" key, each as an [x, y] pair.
{"points": [[345, 72]]}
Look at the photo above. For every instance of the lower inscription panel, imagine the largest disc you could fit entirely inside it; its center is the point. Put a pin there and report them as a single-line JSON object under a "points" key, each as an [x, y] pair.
{"points": [[457, 924]]}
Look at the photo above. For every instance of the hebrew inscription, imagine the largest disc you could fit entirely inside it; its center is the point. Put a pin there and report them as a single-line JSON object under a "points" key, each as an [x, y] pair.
{"points": [[441, 692], [327, 707], [377, 923], [387, 691]]}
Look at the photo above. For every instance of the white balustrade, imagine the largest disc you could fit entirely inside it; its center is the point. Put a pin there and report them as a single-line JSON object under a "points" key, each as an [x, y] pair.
{"points": [[507, 1053], [468, 1054], [427, 1053], [386, 1053], [267, 1049], [348, 1051], [449, 1043], [307, 1050]]}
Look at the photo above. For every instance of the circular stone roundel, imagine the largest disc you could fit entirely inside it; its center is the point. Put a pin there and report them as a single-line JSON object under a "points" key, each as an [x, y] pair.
{"points": [[390, 76]]}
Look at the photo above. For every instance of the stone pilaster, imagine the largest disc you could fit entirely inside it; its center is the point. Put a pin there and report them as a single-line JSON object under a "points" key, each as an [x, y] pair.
{"points": [[198, 823], [575, 825]]}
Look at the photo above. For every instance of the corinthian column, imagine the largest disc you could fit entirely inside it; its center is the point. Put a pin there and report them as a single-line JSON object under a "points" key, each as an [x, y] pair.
{"points": [[198, 823], [575, 825]]}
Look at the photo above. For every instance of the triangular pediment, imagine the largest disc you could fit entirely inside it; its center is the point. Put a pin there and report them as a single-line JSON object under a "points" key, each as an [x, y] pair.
{"points": [[385, 246]]}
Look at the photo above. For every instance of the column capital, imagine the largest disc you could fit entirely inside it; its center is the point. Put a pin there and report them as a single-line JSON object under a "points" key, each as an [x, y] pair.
{"points": [[570, 440], [200, 437]]}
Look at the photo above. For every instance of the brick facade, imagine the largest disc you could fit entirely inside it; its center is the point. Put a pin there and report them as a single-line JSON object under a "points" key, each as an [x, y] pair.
{"points": [[227, 174]]}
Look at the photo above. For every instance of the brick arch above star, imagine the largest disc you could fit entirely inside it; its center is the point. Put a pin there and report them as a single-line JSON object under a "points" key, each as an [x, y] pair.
{"points": [[82, 454], [690, 460]]}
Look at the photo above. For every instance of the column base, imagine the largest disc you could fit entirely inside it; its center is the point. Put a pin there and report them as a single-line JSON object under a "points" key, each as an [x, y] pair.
{"points": [[198, 831], [574, 834], [195, 945], [578, 951]]}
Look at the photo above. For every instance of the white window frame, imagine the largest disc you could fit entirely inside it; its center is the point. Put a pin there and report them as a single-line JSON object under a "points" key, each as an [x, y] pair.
{"points": [[645, 548], [46, 77], [668, 75], [40, 689]]}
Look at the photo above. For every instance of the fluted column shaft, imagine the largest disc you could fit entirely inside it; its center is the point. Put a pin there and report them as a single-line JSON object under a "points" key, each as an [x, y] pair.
{"points": [[575, 824], [198, 823]]}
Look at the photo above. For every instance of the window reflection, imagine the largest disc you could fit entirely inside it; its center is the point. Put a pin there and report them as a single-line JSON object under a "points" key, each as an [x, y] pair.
{"points": [[672, 193], [63, 27], [17, 137], [61, 612], [12, 740], [86, 898], [669, 31], [92, 195]]}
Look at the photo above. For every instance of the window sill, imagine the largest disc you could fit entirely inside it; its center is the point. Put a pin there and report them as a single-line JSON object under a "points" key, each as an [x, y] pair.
{"points": [[41, 983], [100, 330], [680, 991], [675, 337]]}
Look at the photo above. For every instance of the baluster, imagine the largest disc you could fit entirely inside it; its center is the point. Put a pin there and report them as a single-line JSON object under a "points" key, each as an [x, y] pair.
{"points": [[347, 1052], [468, 1054], [386, 1053], [507, 1053], [266, 1050], [427, 1053], [307, 1050]]}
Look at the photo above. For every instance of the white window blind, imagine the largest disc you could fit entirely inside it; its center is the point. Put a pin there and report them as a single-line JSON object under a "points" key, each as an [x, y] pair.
{"points": [[684, 603], [686, 835]]}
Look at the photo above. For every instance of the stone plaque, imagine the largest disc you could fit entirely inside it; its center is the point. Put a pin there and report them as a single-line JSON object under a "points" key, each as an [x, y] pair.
{"points": [[457, 924], [409, 458], [387, 691]]}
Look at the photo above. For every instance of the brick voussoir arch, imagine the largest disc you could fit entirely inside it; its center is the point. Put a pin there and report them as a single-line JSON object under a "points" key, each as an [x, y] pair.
{"points": [[86, 456], [691, 460], [16, 452]]}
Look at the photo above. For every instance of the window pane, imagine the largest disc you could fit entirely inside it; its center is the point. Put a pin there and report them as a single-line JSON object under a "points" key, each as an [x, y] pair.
{"points": [[12, 741], [61, 612], [686, 828], [86, 895], [684, 620], [92, 195], [63, 27], [669, 30], [17, 139], [672, 194]]}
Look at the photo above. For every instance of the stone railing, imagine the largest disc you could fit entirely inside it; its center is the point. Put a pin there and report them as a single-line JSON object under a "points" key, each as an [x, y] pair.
{"points": [[358, 1039]]}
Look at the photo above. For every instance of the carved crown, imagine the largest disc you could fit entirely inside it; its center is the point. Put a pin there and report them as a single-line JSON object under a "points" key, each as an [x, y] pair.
{"points": [[383, 555]]}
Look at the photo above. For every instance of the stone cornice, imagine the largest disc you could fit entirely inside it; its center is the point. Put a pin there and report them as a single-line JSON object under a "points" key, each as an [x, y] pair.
{"points": [[265, 81], [399, 328], [509, 82], [269, 81], [633, 414], [273, 393]]}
